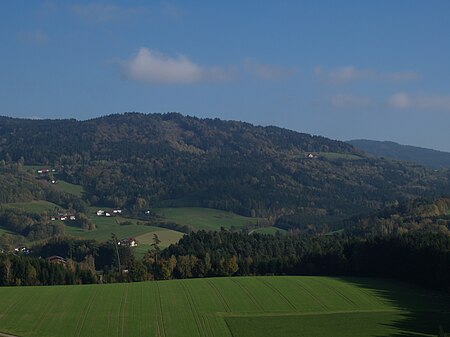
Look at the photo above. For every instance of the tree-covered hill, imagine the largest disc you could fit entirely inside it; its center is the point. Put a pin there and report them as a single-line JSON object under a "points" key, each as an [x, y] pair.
{"points": [[140, 161], [413, 154]]}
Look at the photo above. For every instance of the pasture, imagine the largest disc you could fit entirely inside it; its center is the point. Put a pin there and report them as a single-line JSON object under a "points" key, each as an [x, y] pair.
{"points": [[204, 218], [64, 186], [104, 226], [226, 307], [107, 225], [268, 230], [36, 206]]}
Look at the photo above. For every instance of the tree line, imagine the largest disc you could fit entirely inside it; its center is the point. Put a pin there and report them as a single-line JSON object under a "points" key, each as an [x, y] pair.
{"points": [[420, 258]]}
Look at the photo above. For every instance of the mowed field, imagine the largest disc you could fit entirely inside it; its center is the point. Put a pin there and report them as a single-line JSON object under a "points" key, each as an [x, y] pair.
{"points": [[204, 218], [226, 307]]}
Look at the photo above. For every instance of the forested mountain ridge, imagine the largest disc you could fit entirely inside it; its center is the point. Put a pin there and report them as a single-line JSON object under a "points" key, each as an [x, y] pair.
{"points": [[139, 161], [413, 154]]}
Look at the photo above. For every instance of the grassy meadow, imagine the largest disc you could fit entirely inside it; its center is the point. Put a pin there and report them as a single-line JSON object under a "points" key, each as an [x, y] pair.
{"points": [[226, 307], [36, 206], [64, 186], [268, 230], [204, 218]]}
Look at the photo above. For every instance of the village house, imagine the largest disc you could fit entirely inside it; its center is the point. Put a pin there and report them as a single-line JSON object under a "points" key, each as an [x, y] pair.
{"points": [[130, 242]]}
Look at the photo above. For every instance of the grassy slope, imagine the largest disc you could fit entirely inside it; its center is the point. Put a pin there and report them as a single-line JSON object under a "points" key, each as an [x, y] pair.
{"points": [[204, 218], [268, 230], [225, 307], [64, 186], [107, 225], [37, 206]]}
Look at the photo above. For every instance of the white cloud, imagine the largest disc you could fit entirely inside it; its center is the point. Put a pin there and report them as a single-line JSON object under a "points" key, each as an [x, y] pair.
{"points": [[267, 71], [99, 13], [400, 100], [431, 102], [154, 67], [351, 73], [350, 101], [342, 74]]}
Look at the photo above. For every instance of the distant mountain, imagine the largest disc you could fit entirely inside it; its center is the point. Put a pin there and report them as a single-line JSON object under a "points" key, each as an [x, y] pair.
{"points": [[427, 157], [140, 161]]}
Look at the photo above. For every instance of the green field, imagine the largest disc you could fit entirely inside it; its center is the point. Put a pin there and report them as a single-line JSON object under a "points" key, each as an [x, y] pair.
{"points": [[204, 218], [226, 307], [104, 226], [107, 225], [268, 230], [37, 206], [64, 186]]}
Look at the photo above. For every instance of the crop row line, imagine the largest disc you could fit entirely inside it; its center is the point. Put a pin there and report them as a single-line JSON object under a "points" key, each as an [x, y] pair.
{"points": [[310, 293], [271, 286], [160, 328], [85, 313], [122, 312], [252, 298], [201, 328], [339, 292], [219, 295]]}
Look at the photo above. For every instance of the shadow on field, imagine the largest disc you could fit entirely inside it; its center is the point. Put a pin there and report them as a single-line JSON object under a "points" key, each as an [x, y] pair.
{"points": [[425, 311]]}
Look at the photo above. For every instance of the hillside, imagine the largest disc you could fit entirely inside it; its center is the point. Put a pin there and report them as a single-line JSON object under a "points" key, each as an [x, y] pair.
{"points": [[141, 161], [225, 307], [419, 155]]}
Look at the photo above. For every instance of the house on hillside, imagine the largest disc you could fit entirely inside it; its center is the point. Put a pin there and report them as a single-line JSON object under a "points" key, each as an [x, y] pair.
{"points": [[43, 170], [100, 212], [130, 242]]}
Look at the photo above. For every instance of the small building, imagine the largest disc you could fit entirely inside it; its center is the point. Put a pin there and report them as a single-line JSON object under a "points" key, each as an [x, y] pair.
{"points": [[22, 250], [107, 214], [130, 242], [72, 217], [63, 218], [100, 212]]}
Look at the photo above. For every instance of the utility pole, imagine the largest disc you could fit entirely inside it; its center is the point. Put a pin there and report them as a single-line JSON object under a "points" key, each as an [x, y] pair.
{"points": [[114, 238]]}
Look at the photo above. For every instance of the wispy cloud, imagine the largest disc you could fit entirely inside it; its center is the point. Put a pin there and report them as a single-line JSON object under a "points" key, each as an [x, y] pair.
{"points": [[154, 67], [99, 13], [171, 10], [350, 101], [351, 73], [267, 71], [432, 102], [36, 37]]}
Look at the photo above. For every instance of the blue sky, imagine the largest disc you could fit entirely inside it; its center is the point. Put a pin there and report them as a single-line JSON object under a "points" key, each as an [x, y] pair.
{"points": [[341, 69]]}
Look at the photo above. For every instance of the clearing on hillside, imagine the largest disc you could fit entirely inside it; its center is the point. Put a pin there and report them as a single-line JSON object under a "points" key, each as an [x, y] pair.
{"points": [[36, 206], [226, 307], [204, 218]]}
